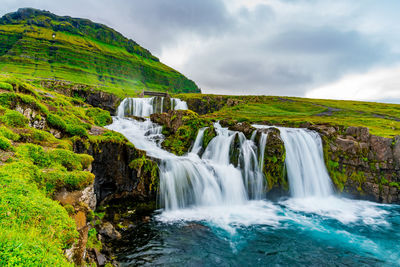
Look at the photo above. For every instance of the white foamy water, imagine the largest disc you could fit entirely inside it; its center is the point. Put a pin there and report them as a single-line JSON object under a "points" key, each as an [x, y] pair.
{"points": [[144, 107], [177, 104], [306, 170], [305, 164], [341, 209]]}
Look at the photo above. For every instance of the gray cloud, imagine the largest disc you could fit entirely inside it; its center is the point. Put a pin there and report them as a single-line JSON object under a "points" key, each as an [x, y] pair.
{"points": [[230, 46]]}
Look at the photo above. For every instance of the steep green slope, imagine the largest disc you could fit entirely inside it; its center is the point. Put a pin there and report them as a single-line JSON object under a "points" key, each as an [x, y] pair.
{"points": [[39, 44], [37, 131]]}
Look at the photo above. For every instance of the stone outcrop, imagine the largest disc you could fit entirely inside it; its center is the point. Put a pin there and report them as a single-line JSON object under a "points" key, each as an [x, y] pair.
{"points": [[180, 128], [362, 165], [115, 177], [34, 118], [243, 127], [89, 94], [274, 163], [205, 104]]}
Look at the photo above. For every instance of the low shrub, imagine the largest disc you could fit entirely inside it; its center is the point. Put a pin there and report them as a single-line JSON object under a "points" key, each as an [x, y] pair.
{"points": [[14, 119], [6, 86], [5, 144], [100, 117], [7, 133], [56, 122]]}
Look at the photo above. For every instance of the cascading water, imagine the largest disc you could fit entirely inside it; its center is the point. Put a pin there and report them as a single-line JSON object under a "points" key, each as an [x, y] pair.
{"points": [[178, 104], [305, 164], [139, 107], [198, 143], [144, 107], [190, 180], [227, 221]]}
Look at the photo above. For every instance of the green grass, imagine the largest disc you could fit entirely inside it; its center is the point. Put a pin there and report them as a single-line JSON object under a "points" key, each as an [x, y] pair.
{"points": [[382, 119], [86, 53], [35, 229]]}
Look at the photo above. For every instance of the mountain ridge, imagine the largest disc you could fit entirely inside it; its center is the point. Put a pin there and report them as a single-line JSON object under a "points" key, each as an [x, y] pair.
{"points": [[40, 44]]}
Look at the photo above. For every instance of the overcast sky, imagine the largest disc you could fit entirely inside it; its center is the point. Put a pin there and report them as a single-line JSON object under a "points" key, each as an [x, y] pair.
{"points": [[315, 48]]}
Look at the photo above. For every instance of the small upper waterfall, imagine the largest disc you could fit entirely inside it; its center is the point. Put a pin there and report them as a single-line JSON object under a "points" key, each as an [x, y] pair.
{"points": [[177, 104], [144, 107], [139, 107], [305, 164]]}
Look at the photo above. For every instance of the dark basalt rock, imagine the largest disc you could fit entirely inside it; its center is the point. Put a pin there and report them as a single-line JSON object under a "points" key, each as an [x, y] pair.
{"points": [[362, 165], [243, 127], [114, 178], [208, 104]]}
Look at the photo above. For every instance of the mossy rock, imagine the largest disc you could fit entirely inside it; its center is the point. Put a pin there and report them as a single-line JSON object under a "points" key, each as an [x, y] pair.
{"points": [[274, 161]]}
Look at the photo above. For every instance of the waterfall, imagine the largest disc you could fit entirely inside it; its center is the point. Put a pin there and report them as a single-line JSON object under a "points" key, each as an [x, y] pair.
{"points": [[198, 143], [139, 107], [191, 180], [305, 164], [262, 144], [177, 104], [252, 173], [144, 107], [230, 169]]}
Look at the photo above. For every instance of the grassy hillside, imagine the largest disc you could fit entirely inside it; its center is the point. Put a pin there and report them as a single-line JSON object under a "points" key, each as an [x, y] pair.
{"points": [[37, 130], [382, 119], [40, 45]]}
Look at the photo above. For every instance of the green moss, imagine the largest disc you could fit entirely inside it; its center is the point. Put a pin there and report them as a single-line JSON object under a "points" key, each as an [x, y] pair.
{"points": [[70, 160], [33, 228], [34, 154], [7, 99], [56, 122], [148, 170], [93, 241], [9, 134], [14, 119], [274, 172], [100, 117], [209, 134], [274, 162], [69, 209], [182, 139], [5, 144], [6, 86], [76, 130], [395, 184]]}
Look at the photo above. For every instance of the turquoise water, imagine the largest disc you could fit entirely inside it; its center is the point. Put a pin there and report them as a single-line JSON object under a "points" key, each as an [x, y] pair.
{"points": [[292, 232]]}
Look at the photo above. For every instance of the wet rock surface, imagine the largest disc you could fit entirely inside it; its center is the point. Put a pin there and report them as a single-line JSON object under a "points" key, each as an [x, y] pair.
{"points": [[114, 178], [361, 164]]}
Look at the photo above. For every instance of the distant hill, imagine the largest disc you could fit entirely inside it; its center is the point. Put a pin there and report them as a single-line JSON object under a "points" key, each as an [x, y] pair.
{"points": [[39, 44]]}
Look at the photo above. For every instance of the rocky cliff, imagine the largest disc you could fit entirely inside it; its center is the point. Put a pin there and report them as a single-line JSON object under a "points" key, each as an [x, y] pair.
{"points": [[362, 165]]}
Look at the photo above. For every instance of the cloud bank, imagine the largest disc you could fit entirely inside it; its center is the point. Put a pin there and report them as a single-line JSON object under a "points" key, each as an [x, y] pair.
{"points": [[274, 47]]}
